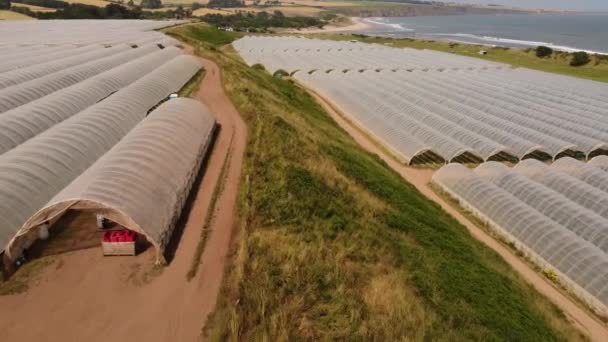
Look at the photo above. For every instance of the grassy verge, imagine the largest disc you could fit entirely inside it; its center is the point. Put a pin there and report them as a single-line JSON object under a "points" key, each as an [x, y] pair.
{"points": [[336, 245], [200, 247], [192, 86], [559, 63]]}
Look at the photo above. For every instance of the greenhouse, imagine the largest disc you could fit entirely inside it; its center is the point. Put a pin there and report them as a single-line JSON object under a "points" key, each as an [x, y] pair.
{"points": [[22, 93], [36, 170], [143, 182], [302, 54], [81, 32], [452, 116], [600, 162], [24, 122], [546, 223]]}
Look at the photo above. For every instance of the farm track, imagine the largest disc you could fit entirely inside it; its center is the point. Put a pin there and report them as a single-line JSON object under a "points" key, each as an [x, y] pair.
{"points": [[83, 296], [421, 178]]}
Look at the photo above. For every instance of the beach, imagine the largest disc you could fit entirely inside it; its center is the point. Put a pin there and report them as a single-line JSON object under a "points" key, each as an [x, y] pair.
{"points": [[357, 25]]}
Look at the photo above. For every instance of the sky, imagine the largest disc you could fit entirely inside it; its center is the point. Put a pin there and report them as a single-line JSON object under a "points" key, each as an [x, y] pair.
{"points": [[580, 5]]}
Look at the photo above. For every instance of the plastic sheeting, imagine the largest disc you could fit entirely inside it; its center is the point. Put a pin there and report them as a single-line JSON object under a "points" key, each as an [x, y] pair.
{"points": [[143, 182], [600, 162], [32, 72], [35, 171], [80, 32], [294, 53], [24, 122], [549, 226], [476, 112], [25, 92]]}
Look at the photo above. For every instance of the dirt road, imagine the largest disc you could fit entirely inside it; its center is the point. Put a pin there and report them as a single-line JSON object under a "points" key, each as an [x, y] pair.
{"points": [[83, 296], [421, 179]]}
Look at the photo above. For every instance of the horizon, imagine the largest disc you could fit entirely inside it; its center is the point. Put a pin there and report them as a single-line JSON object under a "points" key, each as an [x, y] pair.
{"points": [[587, 5]]}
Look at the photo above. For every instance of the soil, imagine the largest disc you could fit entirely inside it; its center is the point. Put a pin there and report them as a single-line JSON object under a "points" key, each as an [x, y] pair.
{"points": [[421, 178], [95, 298]]}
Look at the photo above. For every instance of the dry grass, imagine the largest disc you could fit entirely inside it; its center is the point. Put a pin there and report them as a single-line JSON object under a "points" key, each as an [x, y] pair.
{"points": [[98, 3], [34, 8], [324, 4], [204, 11], [293, 11], [159, 9], [10, 15]]}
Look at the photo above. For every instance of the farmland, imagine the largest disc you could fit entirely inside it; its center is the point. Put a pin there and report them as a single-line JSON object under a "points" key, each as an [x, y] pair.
{"points": [[348, 253]]}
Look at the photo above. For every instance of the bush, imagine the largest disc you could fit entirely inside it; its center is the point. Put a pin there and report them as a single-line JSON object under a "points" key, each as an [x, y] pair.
{"points": [[151, 4], [258, 66], [580, 58], [543, 51], [280, 73], [5, 4]]}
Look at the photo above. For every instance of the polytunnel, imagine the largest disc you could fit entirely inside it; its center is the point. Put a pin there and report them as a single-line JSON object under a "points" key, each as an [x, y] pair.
{"points": [[575, 189], [581, 266], [587, 173], [600, 162], [35, 71], [36, 58], [25, 92], [24, 122], [576, 218], [143, 182], [35, 171]]}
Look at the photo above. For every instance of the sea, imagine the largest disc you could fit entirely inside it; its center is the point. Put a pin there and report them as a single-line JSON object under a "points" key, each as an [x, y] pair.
{"points": [[564, 32]]}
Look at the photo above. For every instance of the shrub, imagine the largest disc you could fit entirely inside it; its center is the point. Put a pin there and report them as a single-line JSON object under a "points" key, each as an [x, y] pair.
{"points": [[579, 58], [258, 66], [543, 51], [5, 4], [280, 73]]}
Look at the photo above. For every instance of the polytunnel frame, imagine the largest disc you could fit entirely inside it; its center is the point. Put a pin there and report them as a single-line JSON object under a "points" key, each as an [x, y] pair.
{"points": [[527, 252], [57, 210]]}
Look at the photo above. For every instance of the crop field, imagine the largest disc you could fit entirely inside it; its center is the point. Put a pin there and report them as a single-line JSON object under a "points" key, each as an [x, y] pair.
{"points": [[557, 216], [80, 102], [98, 3], [34, 8], [431, 107], [10, 15]]}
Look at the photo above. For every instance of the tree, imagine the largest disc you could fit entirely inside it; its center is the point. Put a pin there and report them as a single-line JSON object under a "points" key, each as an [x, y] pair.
{"points": [[5, 4], [196, 5], [580, 58], [543, 51], [131, 3], [151, 4]]}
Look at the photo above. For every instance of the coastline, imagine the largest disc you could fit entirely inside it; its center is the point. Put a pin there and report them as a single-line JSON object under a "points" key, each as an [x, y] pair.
{"points": [[374, 27], [358, 25]]}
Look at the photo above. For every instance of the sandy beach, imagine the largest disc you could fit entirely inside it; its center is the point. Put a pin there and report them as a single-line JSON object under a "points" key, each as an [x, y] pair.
{"points": [[358, 24]]}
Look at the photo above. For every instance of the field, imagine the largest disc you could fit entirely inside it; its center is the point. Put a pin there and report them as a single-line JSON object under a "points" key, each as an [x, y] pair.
{"points": [[10, 15], [34, 8], [333, 244], [596, 70], [98, 3]]}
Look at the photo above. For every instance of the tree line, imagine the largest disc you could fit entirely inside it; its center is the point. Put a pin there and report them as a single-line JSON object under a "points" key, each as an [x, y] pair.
{"points": [[260, 21]]}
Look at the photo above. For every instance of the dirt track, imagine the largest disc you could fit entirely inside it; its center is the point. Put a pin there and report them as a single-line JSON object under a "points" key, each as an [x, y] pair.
{"points": [[421, 179], [83, 296]]}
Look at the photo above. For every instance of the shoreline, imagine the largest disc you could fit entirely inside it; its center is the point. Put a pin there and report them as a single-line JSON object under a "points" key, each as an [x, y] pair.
{"points": [[368, 26], [358, 25]]}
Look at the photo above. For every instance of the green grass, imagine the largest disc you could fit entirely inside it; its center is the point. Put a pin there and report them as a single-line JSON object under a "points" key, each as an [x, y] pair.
{"points": [[559, 63], [193, 84], [335, 245]]}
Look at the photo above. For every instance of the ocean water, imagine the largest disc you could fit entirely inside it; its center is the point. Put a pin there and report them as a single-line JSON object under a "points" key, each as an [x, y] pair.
{"points": [[568, 32]]}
